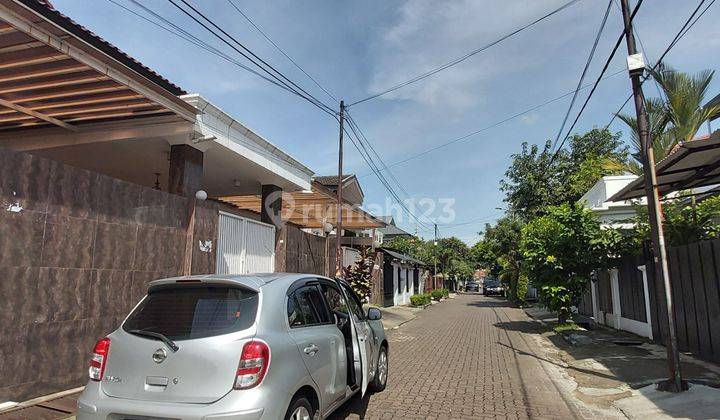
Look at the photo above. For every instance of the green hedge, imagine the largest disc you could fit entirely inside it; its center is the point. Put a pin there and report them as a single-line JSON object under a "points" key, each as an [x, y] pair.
{"points": [[420, 300]]}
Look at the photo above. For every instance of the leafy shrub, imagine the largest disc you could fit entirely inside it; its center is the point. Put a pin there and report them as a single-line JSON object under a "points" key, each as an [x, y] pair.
{"points": [[567, 326], [359, 274], [437, 294], [420, 300], [521, 288], [446, 292]]}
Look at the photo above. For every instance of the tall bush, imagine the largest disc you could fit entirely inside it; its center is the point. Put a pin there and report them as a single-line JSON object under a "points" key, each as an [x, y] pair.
{"points": [[561, 250]]}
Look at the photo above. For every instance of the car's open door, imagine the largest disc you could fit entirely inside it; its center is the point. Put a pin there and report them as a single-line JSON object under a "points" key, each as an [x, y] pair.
{"points": [[362, 336]]}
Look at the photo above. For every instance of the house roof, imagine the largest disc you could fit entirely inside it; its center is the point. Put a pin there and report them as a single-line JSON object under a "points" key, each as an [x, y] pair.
{"points": [[391, 229], [351, 186], [47, 10], [692, 164], [401, 257], [332, 180]]}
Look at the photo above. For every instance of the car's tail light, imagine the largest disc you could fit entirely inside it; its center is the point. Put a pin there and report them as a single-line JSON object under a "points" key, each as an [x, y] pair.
{"points": [[254, 363], [99, 359]]}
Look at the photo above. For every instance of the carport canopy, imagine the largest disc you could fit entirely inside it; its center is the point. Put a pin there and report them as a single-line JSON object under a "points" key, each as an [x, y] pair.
{"points": [[692, 164], [310, 209], [54, 72]]}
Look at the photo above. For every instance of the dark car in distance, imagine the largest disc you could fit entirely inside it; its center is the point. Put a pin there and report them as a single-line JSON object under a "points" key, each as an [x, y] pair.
{"points": [[493, 287], [472, 286]]}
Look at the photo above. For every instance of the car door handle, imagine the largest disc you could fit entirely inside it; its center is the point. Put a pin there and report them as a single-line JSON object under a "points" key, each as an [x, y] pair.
{"points": [[311, 350]]}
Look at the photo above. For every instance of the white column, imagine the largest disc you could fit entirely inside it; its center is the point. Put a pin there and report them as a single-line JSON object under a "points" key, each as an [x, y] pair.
{"points": [[643, 269], [615, 290], [396, 281], [595, 303]]}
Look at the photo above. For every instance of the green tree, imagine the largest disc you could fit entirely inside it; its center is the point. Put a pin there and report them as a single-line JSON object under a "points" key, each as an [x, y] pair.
{"points": [[450, 251], [685, 104], [498, 253], [684, 222], [535, 180], [561, 250], [676, 117], [412, 246]]}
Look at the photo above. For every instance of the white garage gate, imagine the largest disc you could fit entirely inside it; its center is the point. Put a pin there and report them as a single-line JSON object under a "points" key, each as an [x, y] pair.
{"points": [[244, 245]]}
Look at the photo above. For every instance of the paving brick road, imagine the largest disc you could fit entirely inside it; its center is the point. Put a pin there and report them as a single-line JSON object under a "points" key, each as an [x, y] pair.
{"points": [[468, 357]]}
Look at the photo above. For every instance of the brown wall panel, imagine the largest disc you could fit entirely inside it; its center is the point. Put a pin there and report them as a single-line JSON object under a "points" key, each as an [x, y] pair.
{"points": [[75, 260]]}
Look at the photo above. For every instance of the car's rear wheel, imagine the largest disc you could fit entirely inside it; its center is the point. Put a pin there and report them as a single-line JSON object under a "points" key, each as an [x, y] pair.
{"points": [[300, 409], [381, 371]]}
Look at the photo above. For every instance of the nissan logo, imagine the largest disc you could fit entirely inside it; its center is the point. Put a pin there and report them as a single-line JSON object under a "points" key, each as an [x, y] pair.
{"points": [[159, 355]]}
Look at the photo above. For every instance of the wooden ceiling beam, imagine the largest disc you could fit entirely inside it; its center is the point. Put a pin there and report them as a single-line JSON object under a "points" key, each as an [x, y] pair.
{"points": [[55, 81], [15, 137], [42, 54], [117, 114], [88, 88], [6, 27], [78, 110], [36, 114], [42, 70], [14, 39], [87, 101], [84, 100]]}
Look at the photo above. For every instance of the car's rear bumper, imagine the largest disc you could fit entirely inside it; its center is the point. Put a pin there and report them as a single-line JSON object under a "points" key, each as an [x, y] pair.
{"points": [[94, 404]]}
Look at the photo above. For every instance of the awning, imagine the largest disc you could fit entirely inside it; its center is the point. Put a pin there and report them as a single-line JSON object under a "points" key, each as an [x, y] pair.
{"points": [[54, 72], [310, 209], [692, 164], [402, 257]]}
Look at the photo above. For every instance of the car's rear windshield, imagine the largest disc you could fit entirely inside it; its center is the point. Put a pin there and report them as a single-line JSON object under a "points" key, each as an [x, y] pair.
{"points": [[492, 283], [197, 311]]}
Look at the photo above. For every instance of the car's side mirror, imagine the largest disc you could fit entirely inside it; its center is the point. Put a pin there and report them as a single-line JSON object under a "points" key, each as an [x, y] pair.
{"points": [[374, 314]]}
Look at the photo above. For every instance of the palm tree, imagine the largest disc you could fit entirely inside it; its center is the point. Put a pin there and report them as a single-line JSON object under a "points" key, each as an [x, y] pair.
{"points": [[685, 97], [676, 118], [657, 121]]}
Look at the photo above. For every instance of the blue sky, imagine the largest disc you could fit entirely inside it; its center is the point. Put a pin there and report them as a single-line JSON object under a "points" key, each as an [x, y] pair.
{"points": [[357, 48]]}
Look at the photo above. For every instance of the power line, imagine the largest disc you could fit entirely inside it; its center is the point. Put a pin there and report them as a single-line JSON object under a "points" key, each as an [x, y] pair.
{"points": [[352, 121], [493, 125], [584, 72], [464, 57], [368, 159], [262, 65], [189, 37], [277, 47], [362, 149], [592, 91], [683, 31]]}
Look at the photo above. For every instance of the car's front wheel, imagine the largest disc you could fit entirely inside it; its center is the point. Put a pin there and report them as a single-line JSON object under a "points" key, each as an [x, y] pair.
{"points": [[381, 371], [300, 409]]}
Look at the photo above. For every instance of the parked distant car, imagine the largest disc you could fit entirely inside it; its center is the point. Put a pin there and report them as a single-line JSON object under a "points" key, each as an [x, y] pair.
{"points": [[493, 287], [206, 347], [472, 286]]}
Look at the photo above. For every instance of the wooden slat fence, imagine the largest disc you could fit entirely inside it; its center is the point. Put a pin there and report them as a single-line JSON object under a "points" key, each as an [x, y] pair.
{"points": [[694, 274]]}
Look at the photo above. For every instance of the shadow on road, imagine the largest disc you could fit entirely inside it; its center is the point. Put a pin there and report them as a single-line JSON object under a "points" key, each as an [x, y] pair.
{"points": [[489, 302], [527, 327], [355, 406]]}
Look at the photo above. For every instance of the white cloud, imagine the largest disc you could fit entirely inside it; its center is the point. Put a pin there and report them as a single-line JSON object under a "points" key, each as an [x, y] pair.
{"points": [[529, 119], [427, 34]]}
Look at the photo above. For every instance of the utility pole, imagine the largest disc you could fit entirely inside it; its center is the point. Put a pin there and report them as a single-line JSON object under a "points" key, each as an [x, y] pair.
{"points": [[338, 224], [435, 243], [674, 382]]}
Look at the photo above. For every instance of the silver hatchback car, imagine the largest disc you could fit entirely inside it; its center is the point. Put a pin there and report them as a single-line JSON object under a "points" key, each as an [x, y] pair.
{"points": [[292, 346]]}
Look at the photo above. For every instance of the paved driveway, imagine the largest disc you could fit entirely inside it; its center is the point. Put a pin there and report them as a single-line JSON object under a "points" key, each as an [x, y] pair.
{"points": [[468, 357]]}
